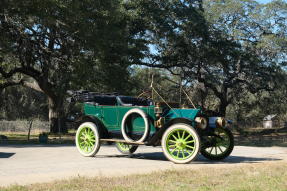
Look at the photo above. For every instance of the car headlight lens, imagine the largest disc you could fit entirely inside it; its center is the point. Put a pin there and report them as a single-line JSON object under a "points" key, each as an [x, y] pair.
{"points": [[201, 122], [220, 122]]}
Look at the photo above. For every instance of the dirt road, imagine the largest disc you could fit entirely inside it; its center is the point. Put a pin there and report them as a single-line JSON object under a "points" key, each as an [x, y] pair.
{"points": [[33, 163]]}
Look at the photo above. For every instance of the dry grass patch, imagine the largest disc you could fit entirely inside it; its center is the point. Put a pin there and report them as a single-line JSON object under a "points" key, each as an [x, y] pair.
{"points": [[267, 177]]}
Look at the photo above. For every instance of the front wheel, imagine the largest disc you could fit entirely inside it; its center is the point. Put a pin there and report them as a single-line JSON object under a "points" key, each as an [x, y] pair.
{"points": [[87, 139], [180, 143], [126, 148], [218, 146]]}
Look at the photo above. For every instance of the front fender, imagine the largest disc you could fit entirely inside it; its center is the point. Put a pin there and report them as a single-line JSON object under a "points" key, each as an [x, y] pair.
{"points": [[158, 135]]}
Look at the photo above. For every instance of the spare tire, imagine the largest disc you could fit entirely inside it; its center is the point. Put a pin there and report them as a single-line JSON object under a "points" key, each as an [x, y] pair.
{"points": [[146, 121]]}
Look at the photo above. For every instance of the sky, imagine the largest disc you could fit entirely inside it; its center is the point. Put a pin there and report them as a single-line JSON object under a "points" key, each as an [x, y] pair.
{"points": [[264, 1]]}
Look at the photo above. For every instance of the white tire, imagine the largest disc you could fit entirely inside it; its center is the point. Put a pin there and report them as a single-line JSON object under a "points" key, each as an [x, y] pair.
{"points": [[87, 139], [180, 143], [146, 121]]}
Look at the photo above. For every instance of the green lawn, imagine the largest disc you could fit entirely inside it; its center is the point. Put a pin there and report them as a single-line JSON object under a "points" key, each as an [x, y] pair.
{"points": [[21, 138], [251, 177]]}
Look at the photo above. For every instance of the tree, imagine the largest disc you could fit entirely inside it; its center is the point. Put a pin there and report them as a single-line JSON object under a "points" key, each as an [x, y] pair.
{"points": [[185, 37], [51, 45], [253, 25], [22, 103], [259, 29]]}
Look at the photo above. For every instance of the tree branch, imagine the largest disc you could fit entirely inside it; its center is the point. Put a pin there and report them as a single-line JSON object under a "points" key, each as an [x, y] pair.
{"points": [[9, 84], [33, 85], [29, 71]]}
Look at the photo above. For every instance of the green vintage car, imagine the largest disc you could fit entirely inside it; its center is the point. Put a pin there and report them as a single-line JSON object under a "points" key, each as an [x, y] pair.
{"points": [[127, 121]]}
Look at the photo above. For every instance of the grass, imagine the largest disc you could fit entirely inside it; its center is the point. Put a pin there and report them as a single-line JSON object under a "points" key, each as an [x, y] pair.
{"points": [[21, 138], [261, 177], [262, 143], [269, 140]]}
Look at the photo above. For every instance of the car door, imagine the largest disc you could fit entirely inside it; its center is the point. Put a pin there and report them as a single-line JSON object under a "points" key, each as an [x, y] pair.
{"points": [[110, 117]]}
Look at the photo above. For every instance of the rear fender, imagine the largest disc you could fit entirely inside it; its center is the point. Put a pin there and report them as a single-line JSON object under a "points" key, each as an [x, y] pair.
{"points": [[103, 133]]}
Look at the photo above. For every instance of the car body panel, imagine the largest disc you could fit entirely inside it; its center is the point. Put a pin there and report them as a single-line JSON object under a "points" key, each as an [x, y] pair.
{"points": [[111, 117]]}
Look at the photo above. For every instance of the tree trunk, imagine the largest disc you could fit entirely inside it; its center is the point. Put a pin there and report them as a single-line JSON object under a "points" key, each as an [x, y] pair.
{"points": [[30, 127], [222, 107], [56, 116], [203, 92]]}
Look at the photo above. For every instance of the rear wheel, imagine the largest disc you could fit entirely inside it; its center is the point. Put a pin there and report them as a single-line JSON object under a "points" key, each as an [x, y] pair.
{"points": [[87, 139], [180, 143], [219, 146], [126, 148]]}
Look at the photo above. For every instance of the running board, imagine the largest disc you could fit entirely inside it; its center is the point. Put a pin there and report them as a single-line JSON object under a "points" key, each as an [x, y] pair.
{"points": [[122, 141]]}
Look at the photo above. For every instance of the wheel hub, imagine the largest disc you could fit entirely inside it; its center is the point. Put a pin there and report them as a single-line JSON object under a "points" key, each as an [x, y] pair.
{"points": [[180, 144], [85, 138]]}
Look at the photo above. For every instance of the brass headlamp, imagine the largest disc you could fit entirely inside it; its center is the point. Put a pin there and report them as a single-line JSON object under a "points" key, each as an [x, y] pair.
{"points": [[201, 122], [220, 122]]}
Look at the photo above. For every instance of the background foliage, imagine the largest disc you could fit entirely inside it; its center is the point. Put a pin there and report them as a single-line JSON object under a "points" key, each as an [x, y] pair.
{"points": [[229, 56]]}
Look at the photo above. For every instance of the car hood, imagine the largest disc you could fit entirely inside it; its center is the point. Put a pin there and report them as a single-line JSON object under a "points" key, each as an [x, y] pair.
{"points": [[181, 113]]}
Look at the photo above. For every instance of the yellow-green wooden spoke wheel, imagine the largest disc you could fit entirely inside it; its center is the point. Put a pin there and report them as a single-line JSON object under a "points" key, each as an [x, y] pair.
{"points": [[87, 139], [126, 148], [180, 143]]}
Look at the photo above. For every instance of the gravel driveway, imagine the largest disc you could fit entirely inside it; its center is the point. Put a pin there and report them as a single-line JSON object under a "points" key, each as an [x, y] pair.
{"points": [[35, 163]]}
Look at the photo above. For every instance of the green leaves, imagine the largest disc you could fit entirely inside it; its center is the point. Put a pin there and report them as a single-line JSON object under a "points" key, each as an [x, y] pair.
{"points": [[228, 46]]}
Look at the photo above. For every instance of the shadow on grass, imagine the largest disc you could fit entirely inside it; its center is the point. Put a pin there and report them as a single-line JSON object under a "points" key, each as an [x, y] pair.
{"points": [[159, 156], [6, 155]]}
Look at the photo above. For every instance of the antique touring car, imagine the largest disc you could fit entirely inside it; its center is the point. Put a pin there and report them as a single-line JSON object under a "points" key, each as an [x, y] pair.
{"points": [[182, 132]]}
